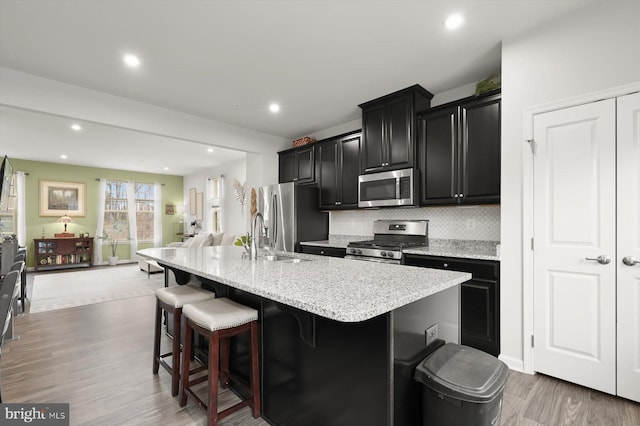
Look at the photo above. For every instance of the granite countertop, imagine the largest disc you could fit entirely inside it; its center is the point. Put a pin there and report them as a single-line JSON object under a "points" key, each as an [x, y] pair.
{"points": [[339, 289], [465, 249]]}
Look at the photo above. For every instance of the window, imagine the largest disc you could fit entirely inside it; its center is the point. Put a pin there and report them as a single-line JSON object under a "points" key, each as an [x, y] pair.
{"points": [[116, 219], [145, 198]]}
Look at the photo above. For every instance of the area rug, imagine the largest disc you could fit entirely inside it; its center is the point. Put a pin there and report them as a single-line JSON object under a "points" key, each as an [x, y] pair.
{"points": [[87, 287]]}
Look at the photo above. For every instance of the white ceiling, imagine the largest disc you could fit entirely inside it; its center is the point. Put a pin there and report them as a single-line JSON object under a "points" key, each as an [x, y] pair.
{"points": [[227, 60]]}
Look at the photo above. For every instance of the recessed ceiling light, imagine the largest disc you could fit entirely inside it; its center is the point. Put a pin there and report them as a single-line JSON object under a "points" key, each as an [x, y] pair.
{"points": [[131, 60], [166, 168], [274, 107], [210, 150], [454, 21], [63, 156], [76, 127]]}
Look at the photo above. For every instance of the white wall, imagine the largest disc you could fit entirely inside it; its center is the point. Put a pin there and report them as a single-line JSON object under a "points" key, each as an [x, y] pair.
{"points": [[591, 50], [234, 219], [30, 92]]}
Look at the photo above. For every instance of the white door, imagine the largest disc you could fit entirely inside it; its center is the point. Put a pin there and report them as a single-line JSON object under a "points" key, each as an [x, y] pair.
{"points": [[574, 220], [629, 246]]}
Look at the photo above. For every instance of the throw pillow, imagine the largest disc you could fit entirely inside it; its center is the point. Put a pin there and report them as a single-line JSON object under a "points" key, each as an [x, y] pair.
{"points": [[216, 238]]}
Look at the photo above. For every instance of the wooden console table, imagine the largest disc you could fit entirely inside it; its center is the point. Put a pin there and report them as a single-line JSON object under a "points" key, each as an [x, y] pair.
{"points": [[62, 253]]}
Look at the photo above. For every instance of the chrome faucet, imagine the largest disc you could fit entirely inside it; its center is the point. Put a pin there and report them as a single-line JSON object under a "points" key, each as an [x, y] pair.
{"points": [[255, 245]]}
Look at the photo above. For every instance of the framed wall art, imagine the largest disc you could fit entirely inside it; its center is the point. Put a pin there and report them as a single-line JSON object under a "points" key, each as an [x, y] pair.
{"points": [[192, 201], [199, 206], [60, 198]]}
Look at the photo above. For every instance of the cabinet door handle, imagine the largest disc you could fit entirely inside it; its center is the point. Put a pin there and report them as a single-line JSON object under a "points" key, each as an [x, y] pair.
{"points": [[455, 195], [602, 259], [295, 179], [461, 195], [446, 265]]}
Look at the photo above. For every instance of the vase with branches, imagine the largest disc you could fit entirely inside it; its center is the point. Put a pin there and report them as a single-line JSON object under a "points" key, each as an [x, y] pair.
{"points": [[241, 194], [113, 240]]}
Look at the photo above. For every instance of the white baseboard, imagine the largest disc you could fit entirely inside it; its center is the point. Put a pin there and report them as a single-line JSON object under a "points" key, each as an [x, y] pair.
{"points": [[513, 363]]}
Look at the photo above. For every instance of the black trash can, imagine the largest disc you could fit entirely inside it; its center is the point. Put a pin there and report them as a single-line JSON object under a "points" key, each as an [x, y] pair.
{"points": [[409, 351], [461, 386]]}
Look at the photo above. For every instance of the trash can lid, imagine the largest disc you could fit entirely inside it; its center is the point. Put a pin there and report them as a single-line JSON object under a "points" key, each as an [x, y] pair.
{"points": [[463, 373]]}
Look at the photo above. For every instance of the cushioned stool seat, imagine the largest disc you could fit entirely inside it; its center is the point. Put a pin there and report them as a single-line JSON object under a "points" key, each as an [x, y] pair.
{"points": [[219, 314], [171, 300], [218, 320], [183, 294]]}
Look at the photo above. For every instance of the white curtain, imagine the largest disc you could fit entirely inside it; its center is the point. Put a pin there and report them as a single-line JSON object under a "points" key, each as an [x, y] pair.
{"points": [[221, 203], [131, 214], [97, 242], [21, 209], [157, 216]]}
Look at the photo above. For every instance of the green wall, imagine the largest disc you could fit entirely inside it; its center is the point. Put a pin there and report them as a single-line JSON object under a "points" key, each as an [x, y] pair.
{"points": [[37, 226]]}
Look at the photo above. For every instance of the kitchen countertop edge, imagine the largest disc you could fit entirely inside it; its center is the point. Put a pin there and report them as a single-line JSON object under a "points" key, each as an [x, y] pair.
{"points": [[342, 290]]}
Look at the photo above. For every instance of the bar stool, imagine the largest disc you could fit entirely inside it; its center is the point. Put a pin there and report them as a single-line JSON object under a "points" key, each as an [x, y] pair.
{"points": [[171, 300], [218, 320]]}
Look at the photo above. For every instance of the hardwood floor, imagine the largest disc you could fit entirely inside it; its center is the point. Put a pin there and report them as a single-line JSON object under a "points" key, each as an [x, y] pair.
{"points": [[98, 359]]}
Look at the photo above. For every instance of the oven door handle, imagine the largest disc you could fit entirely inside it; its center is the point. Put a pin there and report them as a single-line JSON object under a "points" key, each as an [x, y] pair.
{"points": [[398, 188]]}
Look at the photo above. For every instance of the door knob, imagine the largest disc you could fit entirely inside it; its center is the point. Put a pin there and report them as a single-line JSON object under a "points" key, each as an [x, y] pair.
{"points": [[630, 261], [602, 259]]}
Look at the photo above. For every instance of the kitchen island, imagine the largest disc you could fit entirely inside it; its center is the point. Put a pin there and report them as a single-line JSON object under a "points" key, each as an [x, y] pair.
{"points": [[327, 327]]}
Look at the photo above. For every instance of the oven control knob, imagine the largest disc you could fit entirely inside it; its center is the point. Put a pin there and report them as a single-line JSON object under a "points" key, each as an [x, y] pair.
{"points": [[383, 253], [356, 251]]}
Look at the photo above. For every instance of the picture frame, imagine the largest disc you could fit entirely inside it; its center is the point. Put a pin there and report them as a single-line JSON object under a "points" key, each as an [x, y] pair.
{"points": [[192, 201], [170, 209], [60, 198]]}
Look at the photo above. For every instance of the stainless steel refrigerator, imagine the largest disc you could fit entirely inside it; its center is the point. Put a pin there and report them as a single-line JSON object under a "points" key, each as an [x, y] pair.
{"points": [[291, 215]]}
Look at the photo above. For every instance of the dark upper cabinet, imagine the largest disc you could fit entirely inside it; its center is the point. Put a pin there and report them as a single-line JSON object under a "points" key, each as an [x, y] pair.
{"points": [[297, 165], [459, 151], [388, 129], [338, 170]]}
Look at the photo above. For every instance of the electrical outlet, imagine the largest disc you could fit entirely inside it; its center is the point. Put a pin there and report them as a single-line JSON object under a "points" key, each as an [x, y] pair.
{"points": [[431, 334]]}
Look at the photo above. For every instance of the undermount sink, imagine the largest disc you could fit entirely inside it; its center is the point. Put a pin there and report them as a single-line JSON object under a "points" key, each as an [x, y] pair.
{"points": [[288, 259]]}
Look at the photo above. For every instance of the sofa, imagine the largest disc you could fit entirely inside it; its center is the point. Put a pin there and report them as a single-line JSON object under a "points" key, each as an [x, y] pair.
{"points": [[198, 240]]}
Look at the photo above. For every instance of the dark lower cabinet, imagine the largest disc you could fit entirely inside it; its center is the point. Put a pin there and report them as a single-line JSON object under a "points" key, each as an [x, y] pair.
{"points": [[479, 298], [337, 375], [323, 251]]}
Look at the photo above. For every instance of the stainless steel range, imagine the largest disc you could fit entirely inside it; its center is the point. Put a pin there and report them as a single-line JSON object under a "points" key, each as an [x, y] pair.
{"points": [[390, 237]]}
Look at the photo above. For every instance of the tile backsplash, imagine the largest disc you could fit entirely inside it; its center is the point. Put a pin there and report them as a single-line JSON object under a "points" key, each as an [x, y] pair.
{"points": [[455, 222]]}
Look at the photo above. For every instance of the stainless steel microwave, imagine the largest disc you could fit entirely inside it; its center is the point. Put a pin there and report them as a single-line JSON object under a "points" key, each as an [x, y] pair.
{"points": [[384, 189]]}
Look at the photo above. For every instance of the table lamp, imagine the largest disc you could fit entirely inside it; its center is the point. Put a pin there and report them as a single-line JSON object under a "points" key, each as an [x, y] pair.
{"points": [[66, 220]]}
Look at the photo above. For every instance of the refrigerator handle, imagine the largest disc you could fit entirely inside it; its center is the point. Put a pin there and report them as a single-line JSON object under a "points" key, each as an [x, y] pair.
{"points": [[274, 223]]}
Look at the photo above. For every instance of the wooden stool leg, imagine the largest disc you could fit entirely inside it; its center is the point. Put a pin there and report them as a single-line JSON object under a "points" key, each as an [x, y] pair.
{"points": [[186, 355], [175, 359], [255, 370], [214, 362], [224, 362], [156, 338]]}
